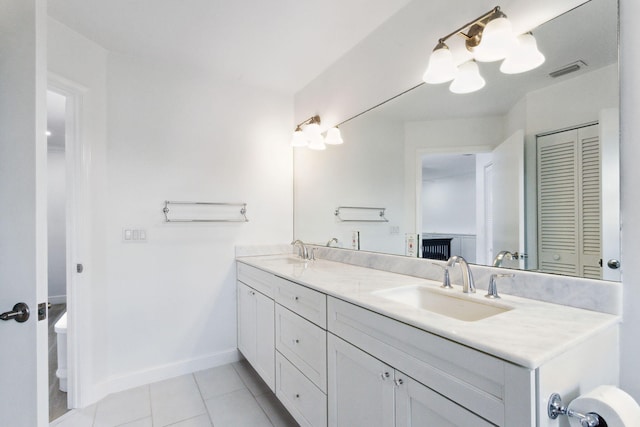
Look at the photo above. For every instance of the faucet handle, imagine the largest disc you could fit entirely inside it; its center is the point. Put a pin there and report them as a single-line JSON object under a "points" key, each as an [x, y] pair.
{"points": [[492, 291], [446, 281]]}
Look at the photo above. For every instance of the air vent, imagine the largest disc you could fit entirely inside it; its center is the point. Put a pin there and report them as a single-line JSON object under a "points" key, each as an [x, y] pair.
{"points": [[570, 68]]}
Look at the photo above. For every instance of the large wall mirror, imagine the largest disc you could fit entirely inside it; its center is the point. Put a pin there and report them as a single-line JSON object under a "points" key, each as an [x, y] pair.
{"points": [[521, 174]]}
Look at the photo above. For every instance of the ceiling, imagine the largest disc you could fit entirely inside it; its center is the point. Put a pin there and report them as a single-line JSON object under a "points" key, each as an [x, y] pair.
{"points": [[276, 44]]}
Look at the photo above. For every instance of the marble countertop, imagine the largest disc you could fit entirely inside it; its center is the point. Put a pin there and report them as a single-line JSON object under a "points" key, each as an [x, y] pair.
{"points": [[529, 334]]}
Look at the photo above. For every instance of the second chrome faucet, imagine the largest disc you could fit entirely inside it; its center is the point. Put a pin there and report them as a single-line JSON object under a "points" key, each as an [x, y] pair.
{"points": [[468, 286]]}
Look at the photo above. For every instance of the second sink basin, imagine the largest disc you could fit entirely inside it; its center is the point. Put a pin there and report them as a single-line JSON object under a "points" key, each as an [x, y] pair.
{"points": [[435, 301]]}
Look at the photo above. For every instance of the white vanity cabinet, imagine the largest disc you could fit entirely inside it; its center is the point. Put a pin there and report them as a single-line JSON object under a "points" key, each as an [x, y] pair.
{"points": [[365, 391], [256, 329], [337, 363], [471, 383], [301, 351]]}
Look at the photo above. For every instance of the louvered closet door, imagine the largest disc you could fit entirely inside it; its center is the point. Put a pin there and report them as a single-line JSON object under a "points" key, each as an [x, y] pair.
{"points": [[569, 224], [558, 203], [590, 203]]}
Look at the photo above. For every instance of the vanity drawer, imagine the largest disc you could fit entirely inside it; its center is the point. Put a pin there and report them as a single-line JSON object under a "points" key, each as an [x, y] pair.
{"points": [[474, 380], [310, 304], [259, 280], [306, 402], [304, 344]]}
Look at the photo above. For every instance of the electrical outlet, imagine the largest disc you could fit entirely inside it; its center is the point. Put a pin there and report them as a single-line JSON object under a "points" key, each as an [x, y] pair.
{"points": [[355, 240]]}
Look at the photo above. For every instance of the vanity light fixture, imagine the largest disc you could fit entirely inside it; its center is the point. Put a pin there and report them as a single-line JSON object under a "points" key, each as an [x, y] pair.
{"points": [[309, 134], [489, 38]]}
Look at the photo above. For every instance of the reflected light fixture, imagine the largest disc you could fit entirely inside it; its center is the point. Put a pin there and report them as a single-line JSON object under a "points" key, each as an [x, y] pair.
{"points": [[489, 38], [308, 134], [468, 79]]}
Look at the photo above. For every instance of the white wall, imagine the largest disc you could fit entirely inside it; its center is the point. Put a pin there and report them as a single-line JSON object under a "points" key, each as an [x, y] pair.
{"points": [[367, 170], [56, 225], [449, 205], [178, 134], [173, 134]]}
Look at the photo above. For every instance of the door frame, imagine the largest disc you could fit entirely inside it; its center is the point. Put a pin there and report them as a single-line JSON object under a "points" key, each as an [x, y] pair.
{"points": [[78, 238], [420, 152]]}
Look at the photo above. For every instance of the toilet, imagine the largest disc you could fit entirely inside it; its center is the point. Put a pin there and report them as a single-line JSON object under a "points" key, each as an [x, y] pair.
{"points": [[61, 334]]}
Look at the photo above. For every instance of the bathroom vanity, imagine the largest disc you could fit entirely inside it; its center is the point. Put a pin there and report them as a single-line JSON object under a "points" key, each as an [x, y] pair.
{"points": [[344, 345]]}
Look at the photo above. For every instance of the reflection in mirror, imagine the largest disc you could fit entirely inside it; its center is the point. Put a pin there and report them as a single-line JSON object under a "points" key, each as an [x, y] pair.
{"points": [[471, 172]]}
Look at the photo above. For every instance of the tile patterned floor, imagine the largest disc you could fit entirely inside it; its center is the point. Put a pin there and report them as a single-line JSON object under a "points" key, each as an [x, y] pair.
{"points": [[227, 396]]}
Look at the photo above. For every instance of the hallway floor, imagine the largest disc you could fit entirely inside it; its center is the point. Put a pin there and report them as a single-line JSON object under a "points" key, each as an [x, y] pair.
{"points": [[226, 396], [57, 398]]}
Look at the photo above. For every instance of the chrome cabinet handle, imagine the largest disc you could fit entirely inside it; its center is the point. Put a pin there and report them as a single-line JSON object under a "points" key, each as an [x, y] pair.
{"points": [[295, 341], [295, 298], [384, 375], [398, 382]]}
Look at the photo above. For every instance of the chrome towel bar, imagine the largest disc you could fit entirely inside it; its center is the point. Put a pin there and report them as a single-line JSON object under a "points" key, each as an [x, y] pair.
{"points": [[242, 217]]}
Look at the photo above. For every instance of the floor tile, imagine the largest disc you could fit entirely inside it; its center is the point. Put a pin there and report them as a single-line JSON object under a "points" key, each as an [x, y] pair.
{"points": [[237, 409], [218, 381], [145, 422], [251, 379], [174, 400], [77, 418], [201, 421], [126, 406], [277, 413]]}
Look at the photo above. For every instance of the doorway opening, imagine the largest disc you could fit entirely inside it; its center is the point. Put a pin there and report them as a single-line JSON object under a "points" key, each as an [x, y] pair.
{"points": [[448, 205], [57, 248]]}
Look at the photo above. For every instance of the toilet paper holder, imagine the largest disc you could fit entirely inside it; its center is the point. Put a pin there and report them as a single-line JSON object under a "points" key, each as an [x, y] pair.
{"points": [[555, 409]]}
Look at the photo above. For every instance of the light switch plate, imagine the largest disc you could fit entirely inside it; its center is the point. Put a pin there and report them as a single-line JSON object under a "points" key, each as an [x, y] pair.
{"points": [[134, 235]]}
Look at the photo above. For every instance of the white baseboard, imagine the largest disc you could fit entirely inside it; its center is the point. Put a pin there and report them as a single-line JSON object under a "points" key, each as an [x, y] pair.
{"points": [[163, 372], [58, 299]]}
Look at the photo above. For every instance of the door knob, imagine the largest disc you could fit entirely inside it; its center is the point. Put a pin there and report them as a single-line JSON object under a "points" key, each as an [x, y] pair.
{"points": [[613, 264], [20, 313]]}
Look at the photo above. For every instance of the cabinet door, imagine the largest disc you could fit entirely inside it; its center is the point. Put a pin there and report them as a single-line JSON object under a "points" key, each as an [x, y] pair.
{"points": [[360, 387], [418, 405], [265, 363], [247, 322]]}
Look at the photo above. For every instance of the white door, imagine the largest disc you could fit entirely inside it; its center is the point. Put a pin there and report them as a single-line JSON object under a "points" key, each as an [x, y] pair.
{"points": [[610, 164], [360, 387], [23, 239], [419, 406], [508, 199]]}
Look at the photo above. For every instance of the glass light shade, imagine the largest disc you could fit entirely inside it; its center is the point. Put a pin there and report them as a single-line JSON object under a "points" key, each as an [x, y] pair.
{"points": [[441, 68], [523, 55], [299, 139], [317, 142], [468, 79], [497, 38], [333, 137]]}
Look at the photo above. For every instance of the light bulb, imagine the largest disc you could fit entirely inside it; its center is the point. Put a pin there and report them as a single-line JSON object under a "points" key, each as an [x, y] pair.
{"points": [[317, 142], [496, 40], [523, 55], [299, 139], [333, 137], [468, 79], [441, 68]]}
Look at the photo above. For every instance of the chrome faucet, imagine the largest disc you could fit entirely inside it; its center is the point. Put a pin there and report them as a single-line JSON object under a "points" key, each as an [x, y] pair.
{"points": [[333, 240], [302, 251], [467, 278], [502, 255]]}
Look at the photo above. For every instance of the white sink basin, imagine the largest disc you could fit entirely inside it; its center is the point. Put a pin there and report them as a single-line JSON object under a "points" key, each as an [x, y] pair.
{"points": [[435, 301]]}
